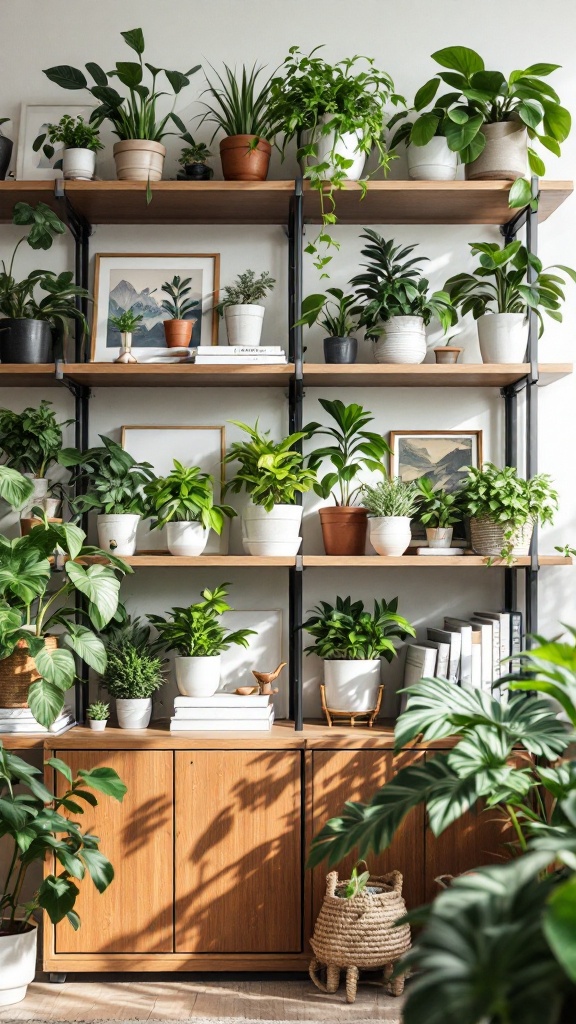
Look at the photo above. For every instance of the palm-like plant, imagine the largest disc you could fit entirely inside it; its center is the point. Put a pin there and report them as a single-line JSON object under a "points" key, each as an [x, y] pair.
{"points": [[351, 449], [179, 304], [186, 496], [241, 104]]}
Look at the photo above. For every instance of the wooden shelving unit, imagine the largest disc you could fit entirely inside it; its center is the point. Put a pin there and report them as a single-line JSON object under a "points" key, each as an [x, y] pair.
{"points": [[428, 375], [421, 561], [167, 561], [154, 375]]}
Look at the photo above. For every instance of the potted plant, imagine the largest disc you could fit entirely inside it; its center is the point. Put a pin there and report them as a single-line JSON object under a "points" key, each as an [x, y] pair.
{"points": [[429, 155], [447, 354], [198, 638], [114, 484], [183, 502], [128, 323], [30, 325], [178, 305], [132, 674], [350, 450], [351, 643], [37, 827], [438, 510], [31, 442], [396, 303], [339, 316], [489, 118], [336, 114], [98, 714], [504, 508], [193, 159], [139, 153], [5, 150], [241, 308], [273, 474], [499, 295], [243, 110], [390, 504], [80, 142]]}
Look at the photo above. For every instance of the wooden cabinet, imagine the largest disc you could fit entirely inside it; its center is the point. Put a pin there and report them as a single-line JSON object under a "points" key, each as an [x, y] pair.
{"points": [[238, 851]]}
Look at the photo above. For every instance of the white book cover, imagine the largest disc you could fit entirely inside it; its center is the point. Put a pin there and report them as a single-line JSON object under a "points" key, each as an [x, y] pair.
{"points": [[224, 700], [504, 620], [227, 725], [442, 656], [419, 663], [25, 714], [495, 624], [239, 350], [453, 638], [222, 714], [465, 629], [487, 654], [239, 360], [34, 728], [477, 665]]}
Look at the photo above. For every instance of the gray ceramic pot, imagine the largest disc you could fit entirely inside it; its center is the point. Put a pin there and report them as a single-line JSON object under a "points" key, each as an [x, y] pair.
{"points": [[26, 341], [340, 350]]}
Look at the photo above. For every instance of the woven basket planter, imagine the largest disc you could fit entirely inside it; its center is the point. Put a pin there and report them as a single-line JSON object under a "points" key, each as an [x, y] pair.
{"points": [[18, 672], [487, 538], [358, 933]]}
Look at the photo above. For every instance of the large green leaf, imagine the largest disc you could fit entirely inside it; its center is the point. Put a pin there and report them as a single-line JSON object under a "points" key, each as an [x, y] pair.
{"points": [[99, 584], [56, 667], [15, 488], [46, 701], [426, 94], [70, 537], [87, 646], [560, 925], [99, 868], [135, 39], [105, 780], [459, 58], [66, 77], [57, 895]]}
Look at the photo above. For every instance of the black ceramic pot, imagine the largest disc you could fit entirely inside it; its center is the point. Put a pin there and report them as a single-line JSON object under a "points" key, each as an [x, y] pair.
{"points": [[26, 341], [5, 154], [340, 350], [198, 172]]}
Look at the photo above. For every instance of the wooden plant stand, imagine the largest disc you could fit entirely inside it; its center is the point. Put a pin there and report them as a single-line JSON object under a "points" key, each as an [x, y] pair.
{"points": [[349, 717]]}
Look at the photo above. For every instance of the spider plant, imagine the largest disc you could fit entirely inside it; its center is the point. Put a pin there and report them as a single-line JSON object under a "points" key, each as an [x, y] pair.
{"points": [[241, 104]]}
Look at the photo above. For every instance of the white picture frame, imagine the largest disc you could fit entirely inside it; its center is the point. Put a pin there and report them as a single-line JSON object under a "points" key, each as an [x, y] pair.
{"points": [[31, 166], [264, 653]]}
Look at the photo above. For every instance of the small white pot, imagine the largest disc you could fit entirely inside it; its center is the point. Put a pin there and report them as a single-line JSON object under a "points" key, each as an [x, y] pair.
{"points": [[38, 496], [133, 712], [17, 965], [390, 535], [439, 536], [351, 685], [244, 324], [403, 341], [503, 337], [345, 146], [188, 539], [198, 677], [51, 506], [282, 524], [79, 164], [139, 160], [117, 533], [432, 162], [97, 724]]}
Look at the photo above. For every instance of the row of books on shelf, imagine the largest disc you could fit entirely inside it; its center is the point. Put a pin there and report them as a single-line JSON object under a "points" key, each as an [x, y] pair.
{"points": [[223, 712], [474, 652], [14, 721], [239, 355]]}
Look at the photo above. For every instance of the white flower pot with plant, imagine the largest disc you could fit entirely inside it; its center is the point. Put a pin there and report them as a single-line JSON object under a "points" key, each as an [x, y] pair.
{"points": [[241, 108], [504, 508], [395, 301], [438, 511], [80, 142], [114, 488], [500, 296], [350, 450], [31, 442], [198, 638], [139, 153], [183, 502], [98, 714], [335, 151], [339, 316], [390, 504], [26, 801], [430, 158], [273, 474], [241, 307], [133, 673], [434, 161], [351, 642]]}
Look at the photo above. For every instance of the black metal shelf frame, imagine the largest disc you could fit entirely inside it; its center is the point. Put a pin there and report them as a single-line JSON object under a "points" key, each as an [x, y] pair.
{"points": [[528, 218]]}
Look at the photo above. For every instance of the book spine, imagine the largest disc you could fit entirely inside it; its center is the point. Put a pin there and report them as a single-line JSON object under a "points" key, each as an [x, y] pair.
{"points": [[515, 639]]}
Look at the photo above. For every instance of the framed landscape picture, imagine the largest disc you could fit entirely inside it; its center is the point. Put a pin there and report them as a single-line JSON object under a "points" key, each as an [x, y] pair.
{"points": [[135, 281]]}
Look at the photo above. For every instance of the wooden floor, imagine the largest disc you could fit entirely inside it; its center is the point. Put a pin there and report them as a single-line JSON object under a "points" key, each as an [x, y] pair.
{"points": [[218, 999]]}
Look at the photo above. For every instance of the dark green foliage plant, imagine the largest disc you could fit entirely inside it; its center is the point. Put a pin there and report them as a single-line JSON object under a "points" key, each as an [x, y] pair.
{"points": [[194, 152], [71, 133], [131, 672], [178, 304], [186, 495], [345, 631], [337, 313], [31, 441], [196, 631], [114, 480], [351, 449]]}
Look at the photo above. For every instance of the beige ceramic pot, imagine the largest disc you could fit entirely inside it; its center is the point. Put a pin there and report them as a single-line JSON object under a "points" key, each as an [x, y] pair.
{"points": [[139, 160], [505, 155]]}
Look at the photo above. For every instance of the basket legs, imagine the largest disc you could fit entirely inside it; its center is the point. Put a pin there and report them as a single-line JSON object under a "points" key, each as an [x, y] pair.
{"points": [[332, 978], [352, 974], [395, 986]]}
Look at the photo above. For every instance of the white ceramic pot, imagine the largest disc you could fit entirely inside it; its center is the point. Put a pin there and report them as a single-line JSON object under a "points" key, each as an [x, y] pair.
{"points": [[198, 677], [139, 160], [17, 965], [403, 340], [133, 712], [186, 538], [273, 548], [244, 324], [345, 146], [117, 533], [97, 724], [51, 506], [79, 164], [503, 337], [351, 685], [505, 155], [439, 536], [282, 524], [432, 162], [38, 495], [390, 535]]}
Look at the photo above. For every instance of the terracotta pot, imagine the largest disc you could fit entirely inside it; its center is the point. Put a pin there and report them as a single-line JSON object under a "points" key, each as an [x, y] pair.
{"points": [[344, 530], [28, 523], [178, 333], [139, 160], [240, 163], [447, 354], [18, 672], [505, 155]]}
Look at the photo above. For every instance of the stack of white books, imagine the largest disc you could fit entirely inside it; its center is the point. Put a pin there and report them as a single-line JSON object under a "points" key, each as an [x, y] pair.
{"points": [[239, 355], [21, 721], [223, 712]]}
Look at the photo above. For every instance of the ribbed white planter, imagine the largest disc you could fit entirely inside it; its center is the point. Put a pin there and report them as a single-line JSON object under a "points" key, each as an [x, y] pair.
{"points": [[403, 341], [133, 712], [78, 164], [503, 337], [351, 685], [487, 538], [269, 529], [244, 324], [139, 160], [390, 535], [345, 146], [97, 724], [186, 538], [198, 677], [117, 533], [38, 496], [432, 162], [17, 965], [439, 536]]}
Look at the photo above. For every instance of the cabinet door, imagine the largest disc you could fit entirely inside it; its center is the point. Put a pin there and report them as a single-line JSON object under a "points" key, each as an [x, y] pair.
{"points": [[341, 775], [238, 851], [134, 915]]}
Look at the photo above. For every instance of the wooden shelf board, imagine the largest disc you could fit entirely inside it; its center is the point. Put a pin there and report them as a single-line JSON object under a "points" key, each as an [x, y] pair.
{"points": [[153, 375], [181, 561], [420, 561], [428, 375], [28, 375]]}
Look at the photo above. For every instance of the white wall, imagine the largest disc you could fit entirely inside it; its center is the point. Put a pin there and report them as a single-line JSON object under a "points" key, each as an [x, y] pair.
{"points": [[401, 37]]}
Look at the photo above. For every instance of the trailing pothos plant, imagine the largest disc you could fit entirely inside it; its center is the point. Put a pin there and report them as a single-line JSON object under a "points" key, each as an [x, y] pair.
{"points": [[196, 631], [345, 631], [500, 944], [114, 480], [38, 825], [271, 472], [350, 450]]}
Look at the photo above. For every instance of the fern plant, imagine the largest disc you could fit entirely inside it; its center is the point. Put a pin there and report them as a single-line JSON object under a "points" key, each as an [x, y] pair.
{"points": [[132, 673]]}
